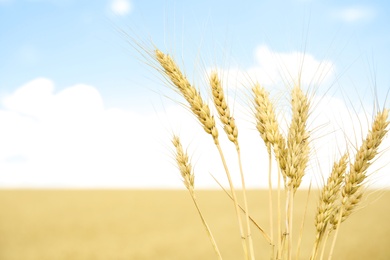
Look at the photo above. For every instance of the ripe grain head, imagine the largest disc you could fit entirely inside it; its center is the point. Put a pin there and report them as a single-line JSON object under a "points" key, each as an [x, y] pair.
{"points": [[297, 140], [353, 188], [198, 107], [229, 124], [183, 164]]}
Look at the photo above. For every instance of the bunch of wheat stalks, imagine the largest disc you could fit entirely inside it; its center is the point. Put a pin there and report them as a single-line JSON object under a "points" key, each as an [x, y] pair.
{"points": [[339, 196]]}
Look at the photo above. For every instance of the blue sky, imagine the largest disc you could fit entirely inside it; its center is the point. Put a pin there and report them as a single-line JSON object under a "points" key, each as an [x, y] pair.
{"points": [[64, 62]]}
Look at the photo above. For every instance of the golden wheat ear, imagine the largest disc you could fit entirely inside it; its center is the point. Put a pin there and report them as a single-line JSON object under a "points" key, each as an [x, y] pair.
{"points": [[268, 126], [200, 109], [329, 196], [221, 105], [298, 149], [353, 189]]}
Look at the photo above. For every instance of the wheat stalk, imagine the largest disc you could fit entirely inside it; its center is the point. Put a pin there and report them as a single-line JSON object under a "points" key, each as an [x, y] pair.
{"points": [[297, 154], [268, 127], [187, 174]]}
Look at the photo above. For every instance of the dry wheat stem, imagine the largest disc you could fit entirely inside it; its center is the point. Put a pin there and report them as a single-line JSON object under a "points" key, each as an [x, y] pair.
{"points": [[289, 221], [187, 174], [265, 235], [248, 229], [271, 222], [278, 251], [236, 207], [297, 155], [268, 127], [303, 224], [207, 228]]}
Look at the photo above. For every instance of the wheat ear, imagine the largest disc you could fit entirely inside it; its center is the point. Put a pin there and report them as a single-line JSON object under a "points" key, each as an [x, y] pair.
{"points": [[352, 191], [192, 95], [268, 126], [297, 141], [328, 197], [229, 124]]}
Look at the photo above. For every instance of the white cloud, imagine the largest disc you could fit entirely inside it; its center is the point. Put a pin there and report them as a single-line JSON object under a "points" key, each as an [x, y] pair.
{"points": [[281, 68], [120, 7], [355, 14], [69, 139]]}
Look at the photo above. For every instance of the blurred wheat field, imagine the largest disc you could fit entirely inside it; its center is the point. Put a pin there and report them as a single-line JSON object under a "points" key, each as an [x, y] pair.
{"points": [[163, 224]]}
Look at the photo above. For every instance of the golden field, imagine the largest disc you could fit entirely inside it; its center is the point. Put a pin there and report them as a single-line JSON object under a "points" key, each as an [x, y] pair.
{"points": [[163, 224]]}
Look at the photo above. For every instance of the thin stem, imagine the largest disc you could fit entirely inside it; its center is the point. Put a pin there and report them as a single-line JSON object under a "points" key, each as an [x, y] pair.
{"points": [[324, 246], [206, 226], [233, 192], [250, 240], [335, 235], [271, 222], [315, 249], [266, 236], [279, 251], [303, 224], [290, 202]]}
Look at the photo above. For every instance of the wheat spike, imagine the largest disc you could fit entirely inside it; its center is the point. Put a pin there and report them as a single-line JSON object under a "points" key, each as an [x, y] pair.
{"points": [[268, 126], [220, 103], [329, 195], [352, 191], [297, 141], [193, 97], [183, 164]]}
